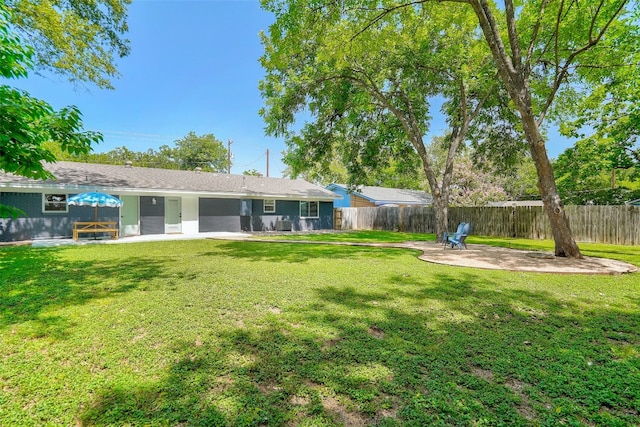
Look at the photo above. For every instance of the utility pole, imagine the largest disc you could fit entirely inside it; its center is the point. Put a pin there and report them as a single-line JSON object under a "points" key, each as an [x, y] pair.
{"points": [[229, 142], [267, 163]]}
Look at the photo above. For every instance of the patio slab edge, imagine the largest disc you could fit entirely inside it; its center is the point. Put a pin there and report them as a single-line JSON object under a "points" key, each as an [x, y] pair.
{"points": [[495, 258]]}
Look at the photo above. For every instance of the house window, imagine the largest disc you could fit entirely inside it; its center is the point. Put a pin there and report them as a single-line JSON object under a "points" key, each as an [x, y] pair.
{"points": [[54, 203], [269, 206], [309, 209]]}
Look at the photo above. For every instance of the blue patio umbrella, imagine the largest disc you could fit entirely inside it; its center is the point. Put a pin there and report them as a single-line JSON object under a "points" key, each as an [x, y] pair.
{"points": [[96, 200]]}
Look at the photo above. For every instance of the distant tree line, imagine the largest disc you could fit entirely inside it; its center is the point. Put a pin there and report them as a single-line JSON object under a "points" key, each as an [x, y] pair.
{"points": [[203, 151]]}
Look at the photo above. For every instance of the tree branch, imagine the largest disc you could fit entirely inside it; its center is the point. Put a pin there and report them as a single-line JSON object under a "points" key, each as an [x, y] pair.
{"points": [[388, 10], [564, 70], [534, 36], [408, 122], [506, 68], [513, 34]]}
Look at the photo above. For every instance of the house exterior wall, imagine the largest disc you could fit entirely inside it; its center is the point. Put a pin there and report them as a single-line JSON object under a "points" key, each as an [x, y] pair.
{"points": [[40, 225], [360, 202], [189, 214], [219, 214], [151, 215], [345, 202], [289, 210], [248, 215], [199, 214]]}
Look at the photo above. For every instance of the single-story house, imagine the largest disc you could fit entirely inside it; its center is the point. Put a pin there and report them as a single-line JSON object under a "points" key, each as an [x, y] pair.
{"points": [[159, 201], [368, 196]]}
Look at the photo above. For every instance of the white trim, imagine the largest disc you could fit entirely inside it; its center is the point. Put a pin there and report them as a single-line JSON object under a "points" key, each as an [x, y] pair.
{"points": [[309, 202], [264, 206], [51, 189], [45, 203]]}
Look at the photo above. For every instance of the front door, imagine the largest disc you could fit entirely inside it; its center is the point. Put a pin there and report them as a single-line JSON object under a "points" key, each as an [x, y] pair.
{"points": [[173, 215], [129, 218]]}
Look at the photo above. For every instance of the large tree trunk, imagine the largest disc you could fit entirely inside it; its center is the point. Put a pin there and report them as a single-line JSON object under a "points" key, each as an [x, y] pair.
{"points": [[440, 194], [441, 211], [565, 244], [515, 75]]}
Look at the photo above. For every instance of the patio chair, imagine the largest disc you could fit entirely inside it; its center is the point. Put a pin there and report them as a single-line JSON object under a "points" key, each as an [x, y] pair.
{"points": [[459, 240], [446, 238]]}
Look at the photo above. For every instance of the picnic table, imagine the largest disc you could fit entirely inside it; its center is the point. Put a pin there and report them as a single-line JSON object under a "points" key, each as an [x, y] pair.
{"points": [[110, 227]]}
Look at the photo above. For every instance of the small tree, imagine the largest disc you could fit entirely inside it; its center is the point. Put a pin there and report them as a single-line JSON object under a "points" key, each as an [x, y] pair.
{"points": [[471, 186], [252, 172], [205, 151]]}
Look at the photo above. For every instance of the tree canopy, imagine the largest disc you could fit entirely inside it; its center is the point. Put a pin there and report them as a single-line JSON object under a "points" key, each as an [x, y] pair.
{"points": [[252, 172], [192, 151], [597, 171], [542, 53], [367, 87], [30, 126], [205, 151], [607, 126], [81, 39]]}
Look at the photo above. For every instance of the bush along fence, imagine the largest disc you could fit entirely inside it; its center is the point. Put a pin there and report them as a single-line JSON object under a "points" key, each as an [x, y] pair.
{"points": [[598, 224]]}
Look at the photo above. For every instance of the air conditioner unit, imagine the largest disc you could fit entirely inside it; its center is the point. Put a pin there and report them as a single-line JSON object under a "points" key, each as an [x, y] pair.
{"points": [[283, 225]]}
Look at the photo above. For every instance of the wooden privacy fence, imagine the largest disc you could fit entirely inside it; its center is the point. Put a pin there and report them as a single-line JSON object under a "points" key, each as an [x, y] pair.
{"points": [[599, 224]]}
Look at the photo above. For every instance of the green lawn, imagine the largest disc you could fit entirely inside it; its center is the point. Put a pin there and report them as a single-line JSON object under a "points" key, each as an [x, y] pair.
{"points": [[203, 333]]}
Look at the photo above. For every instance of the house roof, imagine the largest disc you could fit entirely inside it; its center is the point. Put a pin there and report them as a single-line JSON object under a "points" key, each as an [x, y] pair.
{"points": [[385, 196], [131, 179]]}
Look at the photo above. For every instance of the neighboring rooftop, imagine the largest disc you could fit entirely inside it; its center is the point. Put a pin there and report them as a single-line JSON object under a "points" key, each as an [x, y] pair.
{"points": [[388, 196], [116, 178]]}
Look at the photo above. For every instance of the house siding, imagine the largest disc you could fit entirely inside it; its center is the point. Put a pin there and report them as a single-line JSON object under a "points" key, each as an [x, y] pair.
{"points": [[289, 210], [345, 202], [214, 214], [190, 218], [248, 215], [360, 202], [151, 215], [210, 214], [40, 225], [219, 214]]}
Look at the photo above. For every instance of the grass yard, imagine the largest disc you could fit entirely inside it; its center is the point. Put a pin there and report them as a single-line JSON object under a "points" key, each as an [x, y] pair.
{"points": [[206, 333]]}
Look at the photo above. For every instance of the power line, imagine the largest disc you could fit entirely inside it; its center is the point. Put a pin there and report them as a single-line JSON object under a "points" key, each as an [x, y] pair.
{"points": [[135, 135], [250, 163]]}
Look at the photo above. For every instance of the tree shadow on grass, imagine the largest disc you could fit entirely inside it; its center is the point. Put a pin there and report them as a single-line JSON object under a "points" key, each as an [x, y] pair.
{"points": [[297, 252], [33, 281], [457, 350]]}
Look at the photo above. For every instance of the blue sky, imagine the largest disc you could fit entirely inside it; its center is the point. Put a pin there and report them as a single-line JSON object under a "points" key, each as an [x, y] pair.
{"points": [[193, 67]]}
